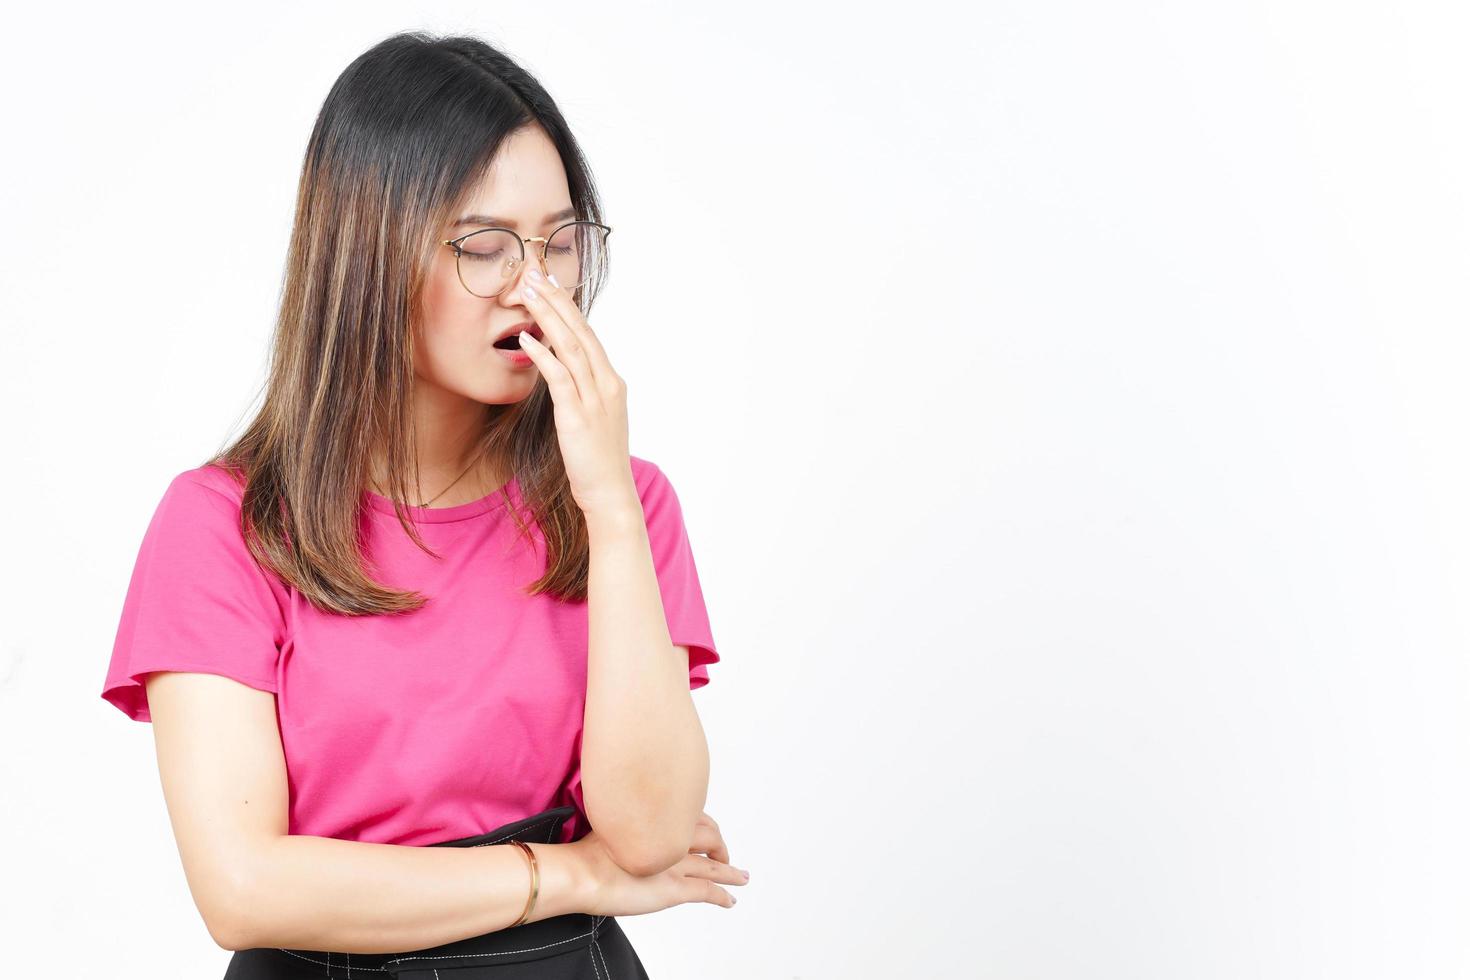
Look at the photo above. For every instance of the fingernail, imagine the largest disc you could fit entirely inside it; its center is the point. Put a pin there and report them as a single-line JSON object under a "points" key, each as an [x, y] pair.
{"points": [[525, 337], [528, 292], [535, 273], [552, 277], [746, 874]]}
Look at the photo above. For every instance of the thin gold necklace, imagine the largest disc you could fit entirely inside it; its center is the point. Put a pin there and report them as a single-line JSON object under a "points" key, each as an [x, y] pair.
{"points": [[451, 485]]}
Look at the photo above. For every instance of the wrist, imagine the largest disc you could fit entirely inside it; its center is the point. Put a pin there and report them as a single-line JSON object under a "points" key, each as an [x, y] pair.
{"points": [[620, 516], [568, 883]]}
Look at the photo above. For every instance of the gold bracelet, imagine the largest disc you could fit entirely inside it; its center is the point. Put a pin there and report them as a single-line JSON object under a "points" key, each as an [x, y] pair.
{"points": [[535, 882]]}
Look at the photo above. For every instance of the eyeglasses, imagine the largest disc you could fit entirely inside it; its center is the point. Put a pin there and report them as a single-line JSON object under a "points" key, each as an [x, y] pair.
{"points": [[489, 259]]}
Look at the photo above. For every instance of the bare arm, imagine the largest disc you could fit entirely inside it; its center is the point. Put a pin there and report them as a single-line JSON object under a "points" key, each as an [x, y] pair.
{"points": [[645, 761], [224, 782]]}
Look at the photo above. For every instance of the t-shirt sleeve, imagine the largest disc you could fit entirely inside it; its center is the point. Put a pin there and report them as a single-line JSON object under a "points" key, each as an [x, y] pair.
{"points": [[678, 579], [197, 600]]}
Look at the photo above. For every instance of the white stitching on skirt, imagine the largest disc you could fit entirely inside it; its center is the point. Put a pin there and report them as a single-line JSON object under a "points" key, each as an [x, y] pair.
{"points": [[598, 946], [501, 840], [597, 922], [595, 971], [456, 956], [292, 952], [503, 952]]}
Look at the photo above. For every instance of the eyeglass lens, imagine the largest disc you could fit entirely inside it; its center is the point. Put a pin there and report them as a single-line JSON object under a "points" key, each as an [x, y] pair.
{"points": [[490, 259]]}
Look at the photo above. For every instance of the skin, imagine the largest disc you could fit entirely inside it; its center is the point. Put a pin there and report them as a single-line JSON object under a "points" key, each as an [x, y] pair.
{"points": [[645, 762]]}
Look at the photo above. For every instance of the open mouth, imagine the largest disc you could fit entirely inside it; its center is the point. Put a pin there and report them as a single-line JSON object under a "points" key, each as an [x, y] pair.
{"points": [[513, 342]]}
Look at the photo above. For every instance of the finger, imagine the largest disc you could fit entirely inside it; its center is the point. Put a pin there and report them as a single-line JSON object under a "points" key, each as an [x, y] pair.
{"points": [[561, 299], [702, 881], [558, 379], [722, 871], [708, 840], [707, 891], [558, 297], [564, 342], [698, 866]]}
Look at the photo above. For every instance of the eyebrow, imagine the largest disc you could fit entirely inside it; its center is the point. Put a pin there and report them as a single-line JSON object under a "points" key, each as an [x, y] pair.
{"points": [[486, 219]]}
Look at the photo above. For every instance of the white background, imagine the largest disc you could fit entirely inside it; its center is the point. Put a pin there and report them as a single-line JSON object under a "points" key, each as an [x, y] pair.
{"points": [[1068, 406]]}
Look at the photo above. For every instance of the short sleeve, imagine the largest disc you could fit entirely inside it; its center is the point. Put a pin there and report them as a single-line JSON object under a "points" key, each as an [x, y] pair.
{"points": [[197, 599], [673, 563]]}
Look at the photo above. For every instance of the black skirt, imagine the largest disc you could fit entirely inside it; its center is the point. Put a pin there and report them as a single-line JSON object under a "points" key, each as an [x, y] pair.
{"points": [[564, 947]]}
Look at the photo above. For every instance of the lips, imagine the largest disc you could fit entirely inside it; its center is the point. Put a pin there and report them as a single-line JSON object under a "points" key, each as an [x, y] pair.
{"points": [[510, 337]]}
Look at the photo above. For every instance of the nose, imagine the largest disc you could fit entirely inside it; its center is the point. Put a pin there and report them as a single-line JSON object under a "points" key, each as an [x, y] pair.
{"points": [[511, 294]]}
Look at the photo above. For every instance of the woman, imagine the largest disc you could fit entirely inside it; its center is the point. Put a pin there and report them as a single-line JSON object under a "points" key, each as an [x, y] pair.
{"points": [[429, 588]]}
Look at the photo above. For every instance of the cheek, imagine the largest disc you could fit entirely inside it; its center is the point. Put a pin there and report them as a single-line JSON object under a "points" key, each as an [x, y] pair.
{"points": [[446, 302], [452, 327]]}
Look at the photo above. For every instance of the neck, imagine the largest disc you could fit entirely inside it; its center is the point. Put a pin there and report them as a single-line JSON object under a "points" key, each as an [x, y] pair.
{"points": [[448, 429]]}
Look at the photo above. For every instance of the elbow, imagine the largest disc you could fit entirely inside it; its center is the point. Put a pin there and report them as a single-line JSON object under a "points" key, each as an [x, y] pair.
{"points": [[226, 936], [228, 930], [643, 830], [226, 909], [643, 864], [642, 855]]}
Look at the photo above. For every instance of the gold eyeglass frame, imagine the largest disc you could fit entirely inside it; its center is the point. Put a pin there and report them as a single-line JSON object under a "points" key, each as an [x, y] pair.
{"points": [[454, 243]]}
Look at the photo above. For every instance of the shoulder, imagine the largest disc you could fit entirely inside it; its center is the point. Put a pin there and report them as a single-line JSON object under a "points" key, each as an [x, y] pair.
{"points": [[197, 532], [224, 481], [209, 493]]}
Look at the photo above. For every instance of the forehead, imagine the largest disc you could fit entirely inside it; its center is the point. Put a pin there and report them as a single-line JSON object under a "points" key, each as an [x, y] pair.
{"points": [[524, 185]]}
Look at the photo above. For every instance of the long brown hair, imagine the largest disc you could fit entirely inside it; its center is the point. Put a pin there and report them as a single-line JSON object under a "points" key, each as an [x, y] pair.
{"points": [[405, 134]]}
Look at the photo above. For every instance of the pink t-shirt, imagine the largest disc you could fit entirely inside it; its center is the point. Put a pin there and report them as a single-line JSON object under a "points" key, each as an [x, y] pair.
{"points": [[431, 725]]}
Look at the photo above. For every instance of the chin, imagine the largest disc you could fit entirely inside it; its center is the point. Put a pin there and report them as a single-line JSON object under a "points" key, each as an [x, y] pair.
{"points": [[508, 394]]}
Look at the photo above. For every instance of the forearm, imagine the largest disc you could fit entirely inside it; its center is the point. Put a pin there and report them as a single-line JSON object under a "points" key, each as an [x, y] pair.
{"points": [[304, 892], [645, 761]]}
